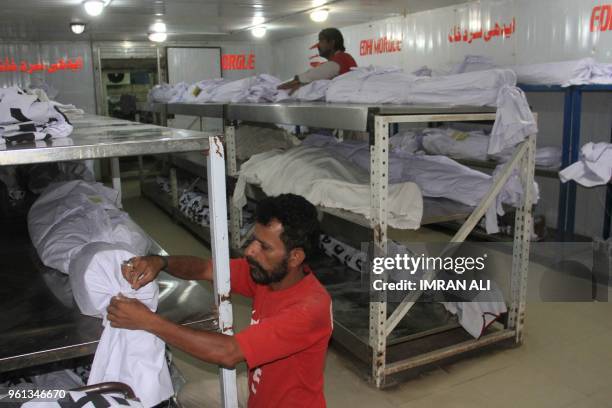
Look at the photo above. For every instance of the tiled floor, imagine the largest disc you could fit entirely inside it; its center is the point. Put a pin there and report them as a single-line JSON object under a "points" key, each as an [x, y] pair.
{"points": [[565, 361]]}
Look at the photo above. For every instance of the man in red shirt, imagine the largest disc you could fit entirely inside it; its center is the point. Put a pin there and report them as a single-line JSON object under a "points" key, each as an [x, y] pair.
{"points": [[291, 323], [331, 47]]}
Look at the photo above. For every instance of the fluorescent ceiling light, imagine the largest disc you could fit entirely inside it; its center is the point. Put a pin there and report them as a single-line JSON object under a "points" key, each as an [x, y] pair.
{"points": [[77, 28], [94, 7], [320, 15], [159, 8], [158, 37], [159, 27], [259, 32], [257, 5]]}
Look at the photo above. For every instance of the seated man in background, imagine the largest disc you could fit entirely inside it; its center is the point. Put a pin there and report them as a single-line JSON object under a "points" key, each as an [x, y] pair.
{"points": [[291, 323], [331, 47]]}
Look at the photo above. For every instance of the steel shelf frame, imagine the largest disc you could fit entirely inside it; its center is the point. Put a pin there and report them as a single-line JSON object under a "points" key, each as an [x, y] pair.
{"points": [[378, 121], [572, 118], [381, 325], [86, 142]]}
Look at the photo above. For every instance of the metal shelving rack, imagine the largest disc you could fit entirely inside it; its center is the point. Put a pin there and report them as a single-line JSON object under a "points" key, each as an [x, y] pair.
{"points": [[189, 162], [378, 121], [572, 117], [37, 329]]}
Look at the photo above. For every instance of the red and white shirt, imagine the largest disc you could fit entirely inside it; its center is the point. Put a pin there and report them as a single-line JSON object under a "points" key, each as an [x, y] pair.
{"points": [[340, 63], [286, 343]]}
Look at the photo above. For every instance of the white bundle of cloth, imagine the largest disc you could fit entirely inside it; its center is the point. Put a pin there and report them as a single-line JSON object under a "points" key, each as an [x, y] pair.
{"points": [[514, 120], [407, 141], [326, 179], [594, 167], [259, 88], [200, 91], [167, 93], [23, 118], [83, 399], [473, 145], [347, 255], [77, 229], [547, 156], [478, 314], [582, 71], [565, 73], [313, 91], [436, 176], [375, 84], [601, 74], [473, 63]]}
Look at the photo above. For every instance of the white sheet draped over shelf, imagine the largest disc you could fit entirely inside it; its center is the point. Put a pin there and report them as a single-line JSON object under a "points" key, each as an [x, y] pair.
{"points": [[327, 180]]}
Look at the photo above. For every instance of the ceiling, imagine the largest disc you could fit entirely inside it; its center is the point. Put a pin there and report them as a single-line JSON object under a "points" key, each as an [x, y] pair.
{"points": [[193, 20]]}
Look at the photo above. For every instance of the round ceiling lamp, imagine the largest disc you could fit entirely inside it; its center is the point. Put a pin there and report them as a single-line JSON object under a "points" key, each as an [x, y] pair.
{"points": [[94, 7]]}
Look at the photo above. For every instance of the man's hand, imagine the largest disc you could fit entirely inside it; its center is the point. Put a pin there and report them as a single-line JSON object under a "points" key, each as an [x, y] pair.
{"points": [[129, 313], [141, 270], [292, 86]]}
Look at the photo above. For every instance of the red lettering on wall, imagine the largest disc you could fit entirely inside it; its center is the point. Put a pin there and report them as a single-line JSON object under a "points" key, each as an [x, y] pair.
{"points": [[238, 62], [381, 45], [458, 34], [601, 18], [26, 67]]}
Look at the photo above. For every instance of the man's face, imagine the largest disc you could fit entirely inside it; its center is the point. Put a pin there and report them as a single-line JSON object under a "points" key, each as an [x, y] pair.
{"points": [[266, 254], [325, 47]]}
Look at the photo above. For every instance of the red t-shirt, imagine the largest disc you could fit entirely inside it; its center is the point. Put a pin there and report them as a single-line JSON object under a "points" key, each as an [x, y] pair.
{"points": [[286, 343], [345, 60]]}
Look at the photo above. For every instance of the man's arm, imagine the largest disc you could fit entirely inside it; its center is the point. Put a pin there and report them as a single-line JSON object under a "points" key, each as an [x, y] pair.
{"points": [[190, 267], [141, 270], [211, 347], [327, 70]]}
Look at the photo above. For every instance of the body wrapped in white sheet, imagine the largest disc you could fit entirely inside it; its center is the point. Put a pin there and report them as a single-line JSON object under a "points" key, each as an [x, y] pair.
{"points": [[496, 87], [474, 145], [436, 176], [374, 84], [564, 73], [327, 180], [76, 228]]}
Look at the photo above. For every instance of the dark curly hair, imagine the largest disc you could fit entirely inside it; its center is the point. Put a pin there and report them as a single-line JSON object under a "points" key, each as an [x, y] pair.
{"points": [[333, 34], [298, 218]]}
